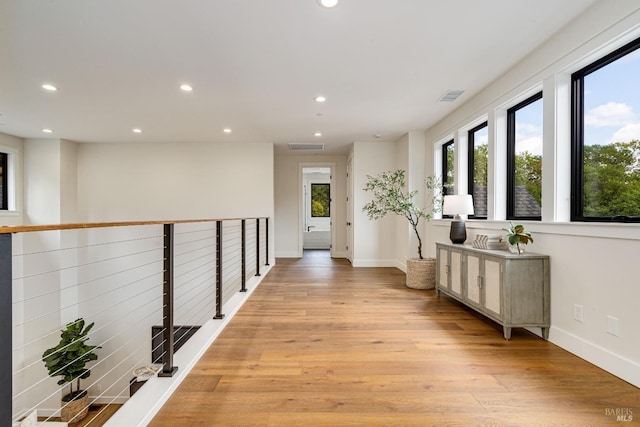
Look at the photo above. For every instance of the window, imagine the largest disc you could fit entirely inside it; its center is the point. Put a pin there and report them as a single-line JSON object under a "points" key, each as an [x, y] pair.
{"points": [[4, 199], [447, 167], [524, 159], [320, 200], [478, 162], [605, 161]]}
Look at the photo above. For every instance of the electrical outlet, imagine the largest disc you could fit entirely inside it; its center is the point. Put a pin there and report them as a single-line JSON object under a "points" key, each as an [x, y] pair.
{"points": [[612, 325], [578, 312], [99, 387]]}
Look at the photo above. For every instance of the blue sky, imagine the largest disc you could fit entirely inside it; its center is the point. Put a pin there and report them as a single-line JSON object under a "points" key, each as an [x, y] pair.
{"points": [[612, 102], [612, 108]]}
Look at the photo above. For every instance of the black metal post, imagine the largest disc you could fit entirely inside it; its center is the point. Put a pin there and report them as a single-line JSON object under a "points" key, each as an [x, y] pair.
{"points": [[266, 243], [243, 287], [167, 310], [219, 314], [257, 246], [6, 279]]}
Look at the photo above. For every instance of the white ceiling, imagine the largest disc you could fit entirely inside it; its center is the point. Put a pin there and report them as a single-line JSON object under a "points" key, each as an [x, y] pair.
{"points": [[255, 65]]}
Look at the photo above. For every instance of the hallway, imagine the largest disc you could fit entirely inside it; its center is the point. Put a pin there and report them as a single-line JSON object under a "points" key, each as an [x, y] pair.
{"points": [[320, 343]]}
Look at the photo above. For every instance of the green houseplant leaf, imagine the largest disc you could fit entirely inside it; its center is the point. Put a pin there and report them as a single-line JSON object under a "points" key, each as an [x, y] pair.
{"points": [[516, 235], [68, 359]]}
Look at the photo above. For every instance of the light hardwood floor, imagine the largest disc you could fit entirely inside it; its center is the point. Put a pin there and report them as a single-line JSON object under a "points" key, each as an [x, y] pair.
{"points": [[320, 343]]}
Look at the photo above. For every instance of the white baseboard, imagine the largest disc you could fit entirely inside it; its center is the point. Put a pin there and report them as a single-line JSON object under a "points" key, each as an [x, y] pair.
{"points": [[401, 266], [374, 263], [617, 365], [340, 254]]}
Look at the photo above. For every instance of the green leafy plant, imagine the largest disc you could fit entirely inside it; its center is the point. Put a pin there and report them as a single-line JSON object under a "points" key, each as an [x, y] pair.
{"points": [[517, 235], [69, 358], [390, 194]]}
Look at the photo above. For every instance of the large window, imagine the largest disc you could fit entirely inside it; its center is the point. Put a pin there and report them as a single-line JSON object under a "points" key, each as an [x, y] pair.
{"points": [[478, 162], [320, 200], [524, 159], [4, 202], [606, 138], [447, 167]]}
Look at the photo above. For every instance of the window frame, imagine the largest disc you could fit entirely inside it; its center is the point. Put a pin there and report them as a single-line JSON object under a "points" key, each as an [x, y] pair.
{"points": [[328, 185], [577, 136], [4, 165], [511, 159], [445, 164], [470, 163]]}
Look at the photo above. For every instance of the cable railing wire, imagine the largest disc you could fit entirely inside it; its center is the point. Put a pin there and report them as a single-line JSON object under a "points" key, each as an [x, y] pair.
{"points": [[83, 283]]}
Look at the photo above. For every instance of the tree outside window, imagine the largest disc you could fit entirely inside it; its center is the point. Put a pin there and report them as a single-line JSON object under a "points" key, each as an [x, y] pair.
{"points": [[478, 168], [606, 138], [524, 159], [320, 200]]}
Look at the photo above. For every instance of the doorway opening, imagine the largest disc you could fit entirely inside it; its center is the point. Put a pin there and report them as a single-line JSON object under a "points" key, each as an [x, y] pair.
{"points": [[316, 210]]}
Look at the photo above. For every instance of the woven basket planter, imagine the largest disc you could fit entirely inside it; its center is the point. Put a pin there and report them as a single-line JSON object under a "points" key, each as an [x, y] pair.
{"points": [[76, 410], [421, 273]]}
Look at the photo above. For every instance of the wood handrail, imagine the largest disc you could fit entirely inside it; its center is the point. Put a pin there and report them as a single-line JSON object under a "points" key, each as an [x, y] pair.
{"points": [[78, 226]]}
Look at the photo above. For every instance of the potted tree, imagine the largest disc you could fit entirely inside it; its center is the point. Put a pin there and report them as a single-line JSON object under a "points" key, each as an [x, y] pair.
{"points": [[390, 195], [516, 235], [68, 359]]}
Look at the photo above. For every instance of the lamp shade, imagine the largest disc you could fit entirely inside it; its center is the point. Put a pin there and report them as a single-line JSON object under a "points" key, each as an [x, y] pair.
{"points": [[458, 204]]}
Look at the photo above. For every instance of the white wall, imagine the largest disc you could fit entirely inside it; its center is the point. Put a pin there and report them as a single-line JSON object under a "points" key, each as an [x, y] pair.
{"points": [[592, 265], [174, 181], [14, 147], [288, 201], [374, 242]]}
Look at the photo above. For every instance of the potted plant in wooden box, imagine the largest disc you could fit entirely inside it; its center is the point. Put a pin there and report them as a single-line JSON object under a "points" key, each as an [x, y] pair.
{"points": [[68, 359], [390, 195]]}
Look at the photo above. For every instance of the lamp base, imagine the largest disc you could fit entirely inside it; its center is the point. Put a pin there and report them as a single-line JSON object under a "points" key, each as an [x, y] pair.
{"points": [[458, 232]]}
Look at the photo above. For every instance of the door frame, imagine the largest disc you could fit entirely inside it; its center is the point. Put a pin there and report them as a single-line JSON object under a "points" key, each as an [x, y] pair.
{"points": [[301, 202]]}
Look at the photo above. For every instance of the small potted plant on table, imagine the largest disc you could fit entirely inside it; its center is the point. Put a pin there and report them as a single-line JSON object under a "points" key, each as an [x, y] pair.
{"points": [[517, 236]]}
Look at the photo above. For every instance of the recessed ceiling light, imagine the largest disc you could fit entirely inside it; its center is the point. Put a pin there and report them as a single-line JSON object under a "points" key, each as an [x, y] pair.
{"points": [[185, 87], [226, 130], [49, 87], [319, 98], [137, 130], [317, 134], [328, 3], [45, 130]]}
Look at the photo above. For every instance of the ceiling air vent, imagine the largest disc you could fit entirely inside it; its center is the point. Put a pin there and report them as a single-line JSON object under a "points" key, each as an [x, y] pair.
{"points": [[306, 147], [451, 95]]}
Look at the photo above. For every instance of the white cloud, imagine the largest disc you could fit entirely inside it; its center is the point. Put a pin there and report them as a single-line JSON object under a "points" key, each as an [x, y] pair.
{"points": [[529, 138], [627, 133], [532, 144], [610, 114]]}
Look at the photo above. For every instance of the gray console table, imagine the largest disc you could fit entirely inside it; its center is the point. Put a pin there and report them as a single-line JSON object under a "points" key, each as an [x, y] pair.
{"points": [[511, 289]]}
